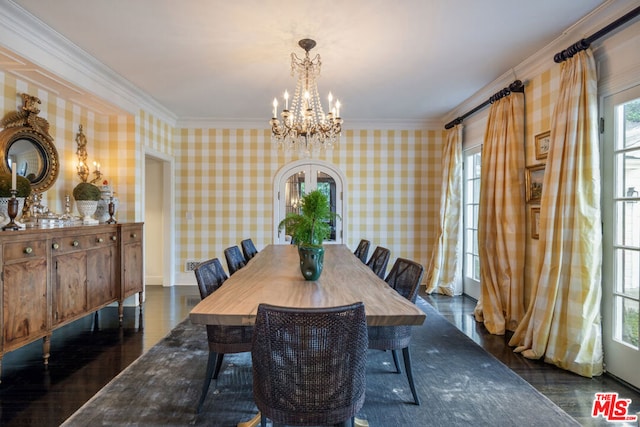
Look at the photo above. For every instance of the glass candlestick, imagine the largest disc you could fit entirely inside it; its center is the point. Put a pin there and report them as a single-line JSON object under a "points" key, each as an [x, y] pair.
{"points": [[12, 211]]}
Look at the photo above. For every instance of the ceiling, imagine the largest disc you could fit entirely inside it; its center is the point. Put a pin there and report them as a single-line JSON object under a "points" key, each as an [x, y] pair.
{"points": [[390, 60]]}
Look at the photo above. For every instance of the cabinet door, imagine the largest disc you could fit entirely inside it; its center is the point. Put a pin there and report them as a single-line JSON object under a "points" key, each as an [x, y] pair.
{"points": [[24, 302], [70, 288], [132, 272], [101, 277]]}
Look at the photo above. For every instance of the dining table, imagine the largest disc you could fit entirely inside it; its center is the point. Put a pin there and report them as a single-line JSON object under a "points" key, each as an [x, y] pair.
{"points": [[273, 277]]}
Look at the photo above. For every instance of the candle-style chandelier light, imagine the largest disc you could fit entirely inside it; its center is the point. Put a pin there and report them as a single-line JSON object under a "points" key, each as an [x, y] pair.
{"points": [[305, 127]]}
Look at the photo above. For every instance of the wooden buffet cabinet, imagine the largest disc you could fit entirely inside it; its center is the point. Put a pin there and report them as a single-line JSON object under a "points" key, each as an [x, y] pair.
{"points": [[51, 277]]}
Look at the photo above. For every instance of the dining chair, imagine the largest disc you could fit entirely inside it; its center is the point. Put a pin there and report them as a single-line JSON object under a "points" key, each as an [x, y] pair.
{"points": [[309, 364], [222, 339], [405, 277], [248, 249], [362, 251], [235, 259], [379, 260]]}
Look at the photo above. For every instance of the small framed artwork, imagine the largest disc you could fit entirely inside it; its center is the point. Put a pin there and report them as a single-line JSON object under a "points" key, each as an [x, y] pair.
{"points": [[533, 181], [535, 222], [542, 145]]}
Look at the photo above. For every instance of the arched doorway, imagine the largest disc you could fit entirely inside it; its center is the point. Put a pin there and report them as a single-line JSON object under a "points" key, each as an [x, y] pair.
{"points": [[300, 177]]}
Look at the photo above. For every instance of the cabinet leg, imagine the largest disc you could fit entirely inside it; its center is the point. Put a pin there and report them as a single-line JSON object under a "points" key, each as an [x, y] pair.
{"points": [[46, 347], [140, 298], [120, 312]]}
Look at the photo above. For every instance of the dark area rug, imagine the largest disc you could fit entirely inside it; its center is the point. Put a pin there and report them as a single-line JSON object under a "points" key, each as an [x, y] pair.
{"points": [[458, 381]]}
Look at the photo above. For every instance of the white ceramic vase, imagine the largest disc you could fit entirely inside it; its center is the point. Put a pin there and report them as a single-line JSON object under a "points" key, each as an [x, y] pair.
{"points": [[86, 208]]}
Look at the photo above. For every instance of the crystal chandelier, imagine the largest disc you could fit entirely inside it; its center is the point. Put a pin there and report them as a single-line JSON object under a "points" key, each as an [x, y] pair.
{"points": [[305, 127]]}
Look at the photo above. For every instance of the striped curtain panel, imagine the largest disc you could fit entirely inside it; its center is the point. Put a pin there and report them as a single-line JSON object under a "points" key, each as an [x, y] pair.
{"points": [[501, 218], [443, 274], [562, 322]]}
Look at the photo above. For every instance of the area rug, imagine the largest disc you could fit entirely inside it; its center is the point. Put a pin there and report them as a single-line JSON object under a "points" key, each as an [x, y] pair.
{"points": [[459, 383]]}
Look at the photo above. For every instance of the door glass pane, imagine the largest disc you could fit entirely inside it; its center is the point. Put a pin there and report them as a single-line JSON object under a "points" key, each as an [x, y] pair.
{"points": [[327, 185], [626, 233], [294, 190], [472, 199]]}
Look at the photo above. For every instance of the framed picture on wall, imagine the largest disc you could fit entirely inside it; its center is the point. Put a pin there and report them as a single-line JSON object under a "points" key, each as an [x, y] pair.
{"points": [[542, 145], [533, 180], [535, 222]]}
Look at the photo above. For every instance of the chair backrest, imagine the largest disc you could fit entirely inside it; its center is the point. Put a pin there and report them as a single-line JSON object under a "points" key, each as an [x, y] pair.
{"points": [[248, 249], [235, 260], [405, 277], [362, 251], [309, 364], [210, 276], [379, 260]]}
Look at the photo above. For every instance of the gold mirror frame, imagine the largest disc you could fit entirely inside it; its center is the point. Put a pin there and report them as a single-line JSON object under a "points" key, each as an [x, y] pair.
{"points": [[26, 126]]}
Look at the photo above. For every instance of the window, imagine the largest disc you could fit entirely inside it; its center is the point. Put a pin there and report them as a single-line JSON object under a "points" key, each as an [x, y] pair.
{"points": [[471, 264]]}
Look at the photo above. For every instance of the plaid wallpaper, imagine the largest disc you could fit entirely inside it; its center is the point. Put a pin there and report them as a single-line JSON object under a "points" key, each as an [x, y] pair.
{"points": [[224, 177], [225, 182]]}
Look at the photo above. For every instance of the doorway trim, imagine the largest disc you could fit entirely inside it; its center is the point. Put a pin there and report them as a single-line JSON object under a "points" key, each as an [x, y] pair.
{"points": [[168, 184], [287, 170]]}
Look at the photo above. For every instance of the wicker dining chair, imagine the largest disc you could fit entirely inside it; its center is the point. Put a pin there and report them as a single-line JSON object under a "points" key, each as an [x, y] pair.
{"points": [[362, 251], [222, 339], [235, 259], [309, 364], [248, 249], [379, 261], [405, 277]]}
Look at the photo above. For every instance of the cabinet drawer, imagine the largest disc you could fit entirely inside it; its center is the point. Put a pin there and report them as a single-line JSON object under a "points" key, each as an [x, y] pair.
{"points": [[23, 250], [131, 235]]}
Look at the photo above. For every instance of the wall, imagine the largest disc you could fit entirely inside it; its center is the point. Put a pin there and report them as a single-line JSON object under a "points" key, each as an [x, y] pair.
{"points": [[224, 182], [110, 141]]}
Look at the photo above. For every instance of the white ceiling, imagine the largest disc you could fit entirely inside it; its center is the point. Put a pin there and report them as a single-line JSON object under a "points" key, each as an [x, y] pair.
{"points": [[391, 60]]}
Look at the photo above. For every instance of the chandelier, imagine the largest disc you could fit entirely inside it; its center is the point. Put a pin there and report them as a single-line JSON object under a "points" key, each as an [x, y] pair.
{"points": [[305, 127]]}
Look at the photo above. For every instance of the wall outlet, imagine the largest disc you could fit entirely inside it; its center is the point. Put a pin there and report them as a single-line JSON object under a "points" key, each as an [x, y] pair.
{"points": [[190, 265]]}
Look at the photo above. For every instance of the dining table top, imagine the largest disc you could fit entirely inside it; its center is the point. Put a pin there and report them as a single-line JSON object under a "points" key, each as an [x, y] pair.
{"points": [[273, 277]]}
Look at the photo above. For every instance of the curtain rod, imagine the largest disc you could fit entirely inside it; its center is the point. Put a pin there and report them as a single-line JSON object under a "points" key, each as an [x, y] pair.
{"points": [[516, 86], [584, 44]]}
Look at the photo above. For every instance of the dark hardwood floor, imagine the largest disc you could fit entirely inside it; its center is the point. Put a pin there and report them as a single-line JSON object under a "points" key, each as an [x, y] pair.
{"points": [[88, 353]]}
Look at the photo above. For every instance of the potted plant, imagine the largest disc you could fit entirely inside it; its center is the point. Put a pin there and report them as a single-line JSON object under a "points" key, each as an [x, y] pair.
{"points": [[86, 196], [308, 230], [23, 190]]}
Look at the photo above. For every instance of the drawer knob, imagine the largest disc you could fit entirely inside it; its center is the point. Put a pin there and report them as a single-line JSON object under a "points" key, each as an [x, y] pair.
{"points": [[134, 235], [99, 240], [28, 250], [75, 243], [113, 238], [55, 246]]}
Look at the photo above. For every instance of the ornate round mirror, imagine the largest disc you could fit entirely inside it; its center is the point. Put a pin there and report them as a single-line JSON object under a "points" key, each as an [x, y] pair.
{"points": [[26, 145], [33, 156]]}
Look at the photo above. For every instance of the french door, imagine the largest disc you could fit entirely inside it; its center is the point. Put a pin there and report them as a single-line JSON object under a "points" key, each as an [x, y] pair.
{"points": [[471, 260], [621, 235], [299, 178]]}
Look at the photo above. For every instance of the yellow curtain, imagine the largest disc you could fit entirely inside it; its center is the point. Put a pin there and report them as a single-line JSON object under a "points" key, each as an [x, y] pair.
{"points": [[443, 274], [501, 218], [562, 322]]}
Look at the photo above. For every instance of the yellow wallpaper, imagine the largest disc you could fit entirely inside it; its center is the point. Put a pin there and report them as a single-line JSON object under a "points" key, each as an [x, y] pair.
{"points": [[224, 180], [110, 141], [540, 97], [224, 177]]}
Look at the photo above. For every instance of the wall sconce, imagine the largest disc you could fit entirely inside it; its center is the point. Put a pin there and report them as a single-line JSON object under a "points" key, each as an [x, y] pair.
{"points": [[81, 152]]}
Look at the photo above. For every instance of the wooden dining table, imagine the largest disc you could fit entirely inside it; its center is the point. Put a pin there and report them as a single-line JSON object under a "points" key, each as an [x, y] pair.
{"points": [[273, 276]]}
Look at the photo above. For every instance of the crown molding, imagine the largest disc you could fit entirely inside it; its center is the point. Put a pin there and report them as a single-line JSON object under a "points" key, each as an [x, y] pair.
{"points": [[27, 36], [542, 60]]}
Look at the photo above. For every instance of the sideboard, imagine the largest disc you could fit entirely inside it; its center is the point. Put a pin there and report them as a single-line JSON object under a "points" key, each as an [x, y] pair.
{"points": [[51, 277]]}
